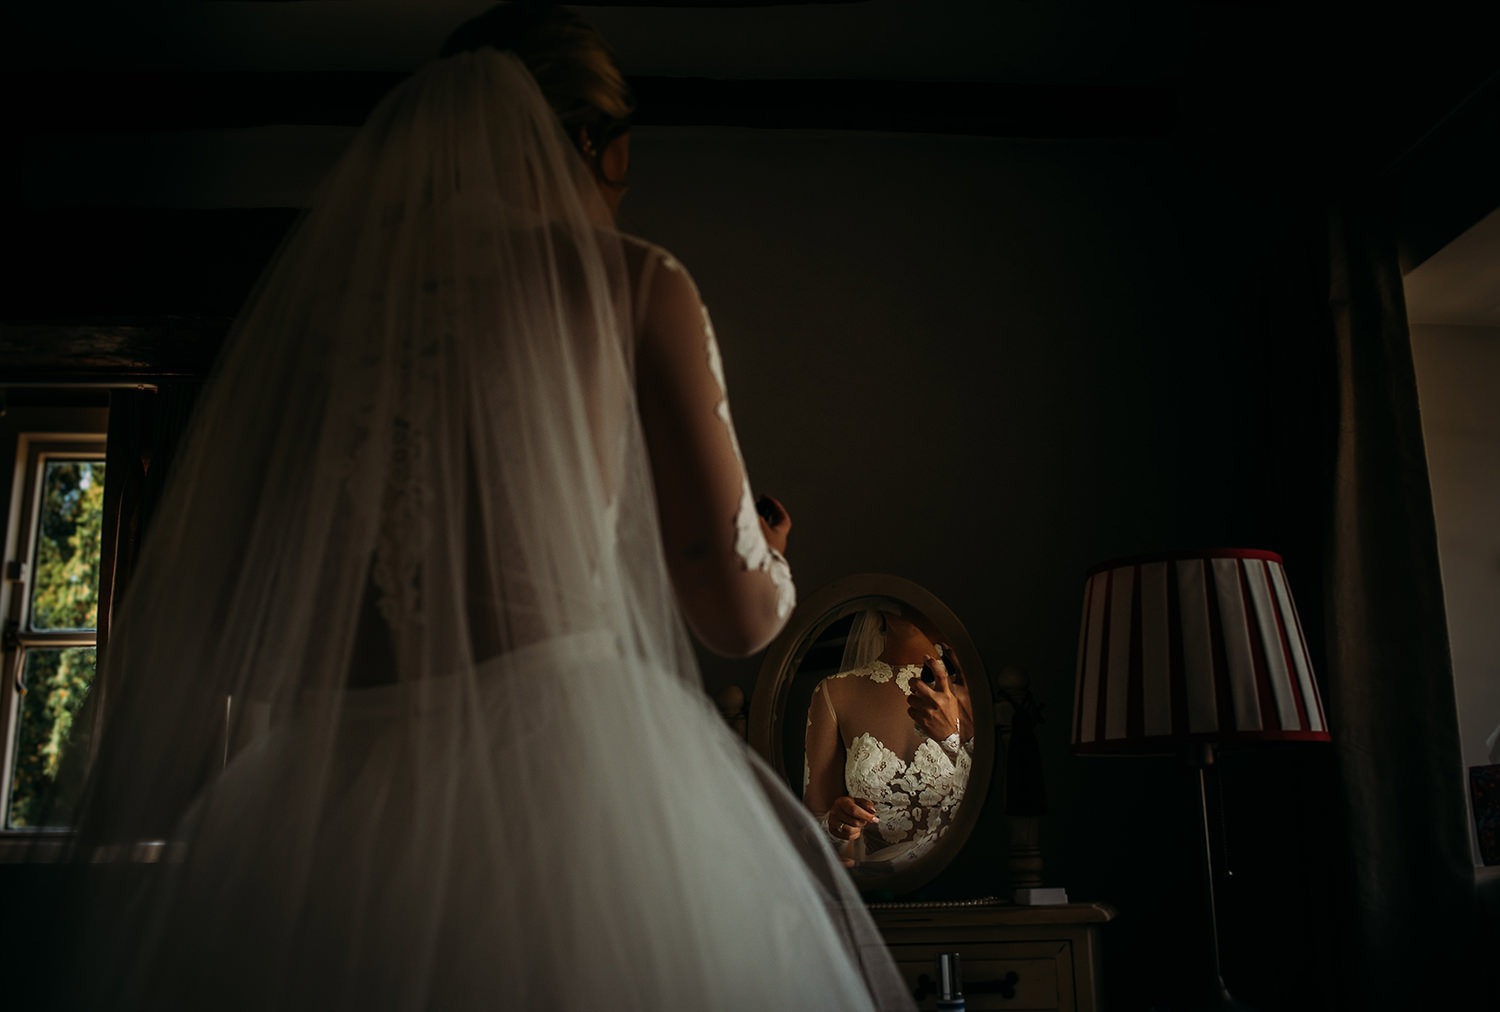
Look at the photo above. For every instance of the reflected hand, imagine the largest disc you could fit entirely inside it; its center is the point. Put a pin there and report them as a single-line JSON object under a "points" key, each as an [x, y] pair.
{"points": [[935, 709], [847, 819], [775, 522]]}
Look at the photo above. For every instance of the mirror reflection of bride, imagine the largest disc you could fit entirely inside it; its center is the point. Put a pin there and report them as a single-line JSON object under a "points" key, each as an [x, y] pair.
{"points": [[889, 742], [408, 708]]}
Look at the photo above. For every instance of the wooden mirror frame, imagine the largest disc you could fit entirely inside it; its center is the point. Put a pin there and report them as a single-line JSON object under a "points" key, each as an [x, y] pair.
{"points": [[820, 610]]}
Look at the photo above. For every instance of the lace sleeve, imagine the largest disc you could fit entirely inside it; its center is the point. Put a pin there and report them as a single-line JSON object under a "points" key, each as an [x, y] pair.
{"points": [[736, 591]]}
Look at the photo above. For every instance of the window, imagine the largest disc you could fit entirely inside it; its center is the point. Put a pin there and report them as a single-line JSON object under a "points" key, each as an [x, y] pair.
{"points": [[49, 605]]}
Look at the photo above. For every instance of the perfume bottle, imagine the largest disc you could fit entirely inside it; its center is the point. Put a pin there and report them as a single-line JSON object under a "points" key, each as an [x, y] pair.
{"points": [[950, 983]]}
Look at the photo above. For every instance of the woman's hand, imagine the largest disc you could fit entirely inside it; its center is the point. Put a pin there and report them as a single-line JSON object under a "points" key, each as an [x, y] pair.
{"points": [[936, 709], [775, 522], [847, 819]]}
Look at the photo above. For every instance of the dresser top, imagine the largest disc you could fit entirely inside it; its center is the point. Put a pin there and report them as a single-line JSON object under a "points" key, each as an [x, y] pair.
{"points": [[952, 915]]}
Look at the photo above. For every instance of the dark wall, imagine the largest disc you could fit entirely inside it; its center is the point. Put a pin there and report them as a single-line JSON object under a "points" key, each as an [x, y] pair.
{"points": [[985, 365]]}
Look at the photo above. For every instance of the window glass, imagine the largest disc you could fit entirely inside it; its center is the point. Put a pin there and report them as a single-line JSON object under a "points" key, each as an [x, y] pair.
{"points": [[65, 585], [48, 759], [51, 631]]}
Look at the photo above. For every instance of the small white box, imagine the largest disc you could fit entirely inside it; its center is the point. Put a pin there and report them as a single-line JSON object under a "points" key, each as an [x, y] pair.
{"points": [[1044, 897]]}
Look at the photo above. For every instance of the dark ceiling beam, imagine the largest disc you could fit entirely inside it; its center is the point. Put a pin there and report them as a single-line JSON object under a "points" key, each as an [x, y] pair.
{"points": [[39, 102], [971, 108], [125, 351]]}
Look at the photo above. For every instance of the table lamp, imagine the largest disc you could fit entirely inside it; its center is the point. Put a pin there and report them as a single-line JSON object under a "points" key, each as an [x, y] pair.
{"points": [[1186, 651]]}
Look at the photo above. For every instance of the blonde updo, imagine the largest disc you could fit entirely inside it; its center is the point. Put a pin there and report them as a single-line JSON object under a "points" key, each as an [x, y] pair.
{"points": [[572, 64]]}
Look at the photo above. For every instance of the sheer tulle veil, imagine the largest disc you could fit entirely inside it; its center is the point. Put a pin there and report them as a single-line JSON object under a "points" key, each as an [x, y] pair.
{"points": [[403, 714]]}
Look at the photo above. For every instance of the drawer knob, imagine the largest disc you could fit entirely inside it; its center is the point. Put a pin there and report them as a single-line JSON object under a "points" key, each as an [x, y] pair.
{"points": [[1005, 987]]}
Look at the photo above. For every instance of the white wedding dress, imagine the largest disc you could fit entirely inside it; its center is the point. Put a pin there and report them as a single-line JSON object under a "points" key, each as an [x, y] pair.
{"points": [[402, 702], [914, 781]]}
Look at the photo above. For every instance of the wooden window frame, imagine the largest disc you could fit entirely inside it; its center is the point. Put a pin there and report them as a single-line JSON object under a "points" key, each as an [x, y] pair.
{"points": [[35, 434]]}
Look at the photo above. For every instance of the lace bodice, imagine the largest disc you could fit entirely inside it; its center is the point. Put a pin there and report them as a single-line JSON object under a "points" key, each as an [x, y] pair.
{"points": [[913, 800], [915, 782], [701, 475]]}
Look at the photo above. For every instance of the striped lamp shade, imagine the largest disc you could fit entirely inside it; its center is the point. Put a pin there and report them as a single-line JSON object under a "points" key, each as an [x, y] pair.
{"points": [[1189, 648]]}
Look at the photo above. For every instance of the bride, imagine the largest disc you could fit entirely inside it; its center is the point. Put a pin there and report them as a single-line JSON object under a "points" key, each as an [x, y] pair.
{"points": [[889, 743], [406, 714]]}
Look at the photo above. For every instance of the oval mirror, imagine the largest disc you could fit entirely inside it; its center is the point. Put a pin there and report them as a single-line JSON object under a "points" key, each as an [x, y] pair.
{"points": [[833, 711]]}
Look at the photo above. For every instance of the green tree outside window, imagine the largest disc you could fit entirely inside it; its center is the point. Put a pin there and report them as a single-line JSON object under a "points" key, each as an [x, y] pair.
{"points": [[47, 771]]}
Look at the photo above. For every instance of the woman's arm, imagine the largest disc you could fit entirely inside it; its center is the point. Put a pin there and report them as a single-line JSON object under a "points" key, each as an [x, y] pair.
{"points": [[824, 791], [734, 586], [823, 773]]}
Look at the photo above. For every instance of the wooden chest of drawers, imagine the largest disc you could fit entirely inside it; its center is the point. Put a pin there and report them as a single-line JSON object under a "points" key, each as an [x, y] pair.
{"points": [[1043, 958]]}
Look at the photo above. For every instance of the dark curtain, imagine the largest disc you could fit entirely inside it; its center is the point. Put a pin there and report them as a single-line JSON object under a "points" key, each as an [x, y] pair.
{"points": [[1409, 928], [146, 427], [125, 476]]}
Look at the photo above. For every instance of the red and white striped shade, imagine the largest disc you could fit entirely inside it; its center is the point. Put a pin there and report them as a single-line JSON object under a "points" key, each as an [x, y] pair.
{"points": [[1187, 648]]}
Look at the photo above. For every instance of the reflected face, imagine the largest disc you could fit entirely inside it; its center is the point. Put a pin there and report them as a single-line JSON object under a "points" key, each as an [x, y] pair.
{"points": [[899, 627], [909, 638]]}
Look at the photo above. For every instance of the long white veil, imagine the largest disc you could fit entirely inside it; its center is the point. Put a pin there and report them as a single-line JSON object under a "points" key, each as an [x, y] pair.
{"points": [[403, 706]]}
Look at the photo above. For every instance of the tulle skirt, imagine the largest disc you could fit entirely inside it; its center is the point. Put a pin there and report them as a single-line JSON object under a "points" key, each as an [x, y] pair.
{"points": [[562, 828]]}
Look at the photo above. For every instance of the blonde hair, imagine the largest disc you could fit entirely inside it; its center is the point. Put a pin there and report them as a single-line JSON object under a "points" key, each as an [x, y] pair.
{"points": [[571, 62]]}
